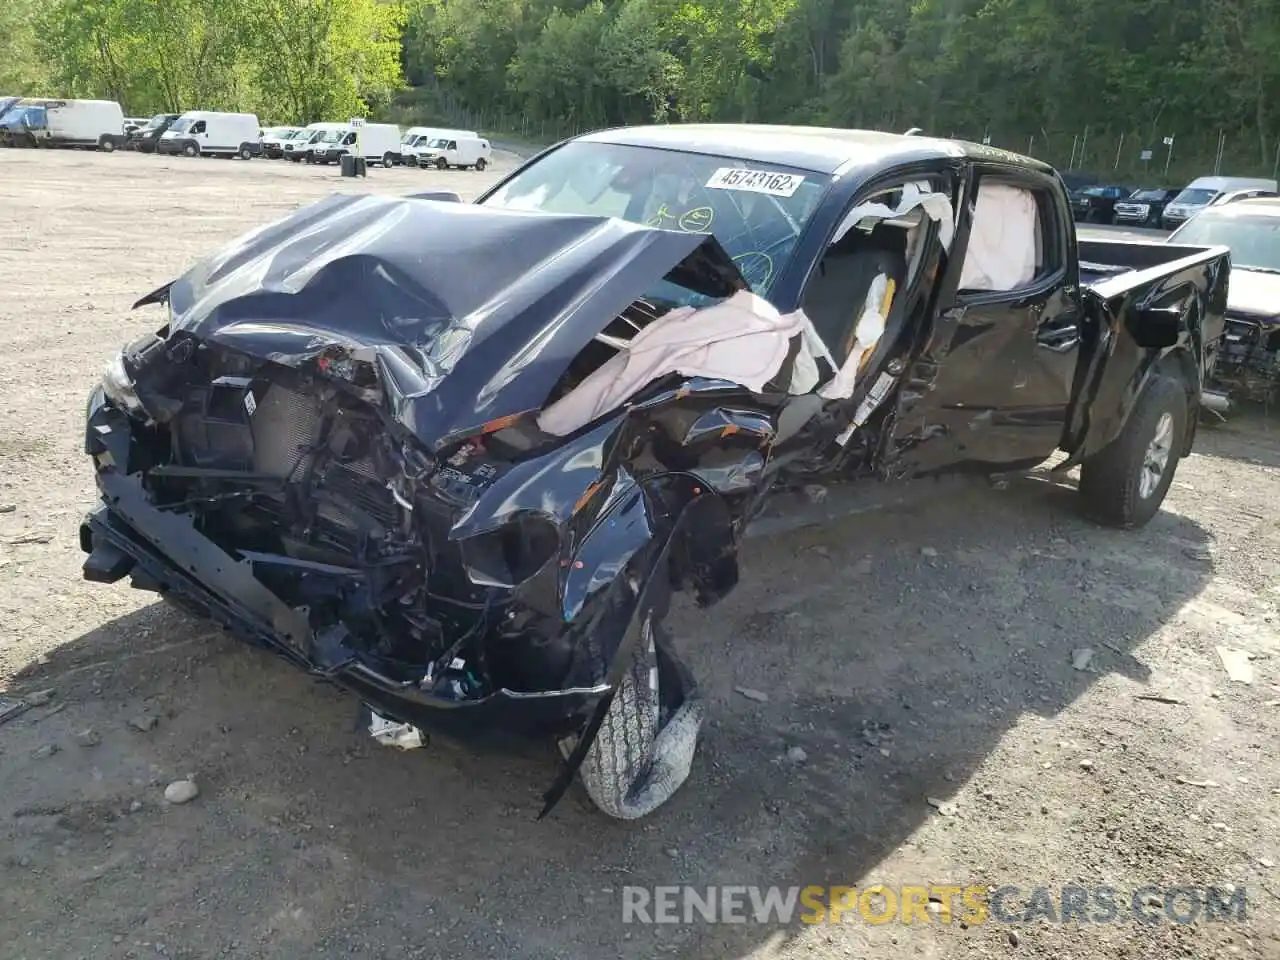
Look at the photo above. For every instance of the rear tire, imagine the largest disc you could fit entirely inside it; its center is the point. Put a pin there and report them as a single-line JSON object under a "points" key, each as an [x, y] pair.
{"points": [[388, 160], [1124, 484], [481, 164]]}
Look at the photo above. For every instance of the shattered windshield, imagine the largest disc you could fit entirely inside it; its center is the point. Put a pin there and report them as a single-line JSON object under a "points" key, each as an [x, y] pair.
{"points": [[756, 211], [1254, 240]]}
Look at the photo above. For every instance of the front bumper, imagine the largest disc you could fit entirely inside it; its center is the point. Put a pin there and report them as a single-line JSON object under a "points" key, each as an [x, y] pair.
{"points": [[162, 551]]}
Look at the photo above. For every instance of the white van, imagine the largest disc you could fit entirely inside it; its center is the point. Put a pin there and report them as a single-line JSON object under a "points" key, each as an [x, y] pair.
{"points": [[210, 133], [379, 143], [417, 137], [273, 140], [1203, 191], [299, 147], [455, 151], [64, 123]]}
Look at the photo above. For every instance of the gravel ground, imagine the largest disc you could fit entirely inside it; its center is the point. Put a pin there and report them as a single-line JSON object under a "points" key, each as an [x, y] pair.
{"points": [[921, 650]]}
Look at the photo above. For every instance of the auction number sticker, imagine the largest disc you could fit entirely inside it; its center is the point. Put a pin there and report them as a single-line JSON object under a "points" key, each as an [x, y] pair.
{"points": [[755, 181]]}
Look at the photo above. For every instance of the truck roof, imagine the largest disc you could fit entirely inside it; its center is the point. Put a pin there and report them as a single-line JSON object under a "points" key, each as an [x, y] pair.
{"points": [[1265, 206], [821, 149]]}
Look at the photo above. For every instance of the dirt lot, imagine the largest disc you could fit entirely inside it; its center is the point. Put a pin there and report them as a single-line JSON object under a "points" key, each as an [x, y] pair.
{"points": [[923, 650]]}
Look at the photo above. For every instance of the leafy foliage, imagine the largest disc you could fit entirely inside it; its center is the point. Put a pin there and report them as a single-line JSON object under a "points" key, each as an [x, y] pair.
{"points": [[288, 60], [1083, 83]]}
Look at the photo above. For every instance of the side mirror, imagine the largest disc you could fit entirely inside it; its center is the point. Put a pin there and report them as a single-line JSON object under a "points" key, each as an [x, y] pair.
{"points": [[1156, 328], [440, 196]]}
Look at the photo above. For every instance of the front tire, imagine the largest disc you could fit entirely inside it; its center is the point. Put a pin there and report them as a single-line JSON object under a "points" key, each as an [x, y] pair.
{"points": [[246, 152], [1124, 484], [107, 145], [442, 164], [645, 746], [190, 150]]}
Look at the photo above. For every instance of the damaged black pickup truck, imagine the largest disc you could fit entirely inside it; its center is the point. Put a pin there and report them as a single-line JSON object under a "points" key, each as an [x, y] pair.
{"points": [[456, 458]]}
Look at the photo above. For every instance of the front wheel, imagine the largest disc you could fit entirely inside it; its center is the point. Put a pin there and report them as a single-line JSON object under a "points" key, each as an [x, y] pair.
{"points": [[246, 152], [190, 150], [442, 164], [107, 145], [645, 746], [1124, 484]]}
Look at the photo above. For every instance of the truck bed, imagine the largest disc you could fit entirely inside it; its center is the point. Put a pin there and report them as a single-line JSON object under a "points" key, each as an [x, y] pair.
{"points": [[1104, 260]]}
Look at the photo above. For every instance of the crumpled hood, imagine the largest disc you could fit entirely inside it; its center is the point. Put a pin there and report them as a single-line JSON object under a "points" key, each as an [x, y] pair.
{"points": [[469, 313], [1253, 292]]}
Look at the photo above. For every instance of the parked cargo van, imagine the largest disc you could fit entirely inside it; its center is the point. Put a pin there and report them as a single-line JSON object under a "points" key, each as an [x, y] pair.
{"points": [[40, 122], [210, 133], [455, 151], [299, 148], [379, 143], [420, 137], [273, 140], [1203, 191]]}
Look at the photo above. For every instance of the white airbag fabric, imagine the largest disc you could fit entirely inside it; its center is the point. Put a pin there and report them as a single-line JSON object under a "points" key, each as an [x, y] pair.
{"points": [[1002, 240], [937, 206], [742, 339]]}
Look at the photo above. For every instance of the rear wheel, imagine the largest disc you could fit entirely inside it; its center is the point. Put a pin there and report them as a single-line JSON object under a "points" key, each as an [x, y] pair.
{"points": [[481, 164], [1124, 484], [388, 159]]}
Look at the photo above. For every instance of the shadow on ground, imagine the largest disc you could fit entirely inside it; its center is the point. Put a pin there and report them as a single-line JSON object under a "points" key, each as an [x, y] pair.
{"points": [[896, 648]]}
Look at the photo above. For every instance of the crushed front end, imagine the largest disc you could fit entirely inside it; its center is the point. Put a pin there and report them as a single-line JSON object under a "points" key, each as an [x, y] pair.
{"points": [[1248, 358], [327, 487]]}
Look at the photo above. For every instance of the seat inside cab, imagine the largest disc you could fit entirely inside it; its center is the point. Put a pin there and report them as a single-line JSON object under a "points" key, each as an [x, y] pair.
{"points": [[857, 299]]}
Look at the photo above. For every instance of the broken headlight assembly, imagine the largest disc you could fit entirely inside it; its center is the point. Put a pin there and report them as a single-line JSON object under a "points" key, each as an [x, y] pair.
{"points": [[118, 385]]}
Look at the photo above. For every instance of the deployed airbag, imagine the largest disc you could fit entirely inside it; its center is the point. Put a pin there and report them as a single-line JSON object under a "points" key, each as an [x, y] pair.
{"points": [[743, 339], [1002, 240]]}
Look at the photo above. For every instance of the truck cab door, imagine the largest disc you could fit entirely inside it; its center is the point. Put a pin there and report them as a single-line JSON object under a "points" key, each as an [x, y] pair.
{"points": [[993, 384]]}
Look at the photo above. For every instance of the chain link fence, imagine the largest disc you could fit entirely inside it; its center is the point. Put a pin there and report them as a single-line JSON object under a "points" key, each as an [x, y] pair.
{"points": [[1150, 157]]}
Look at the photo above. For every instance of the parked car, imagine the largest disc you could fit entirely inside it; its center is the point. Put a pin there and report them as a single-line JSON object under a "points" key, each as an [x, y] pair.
{"points": [[1247, 358], [455, 458], [378, 143], [300, 148], [6, 103], [1231, 196], [64, 123], [421, 137], [147, 137], [134, 123], [455, 151], [274, 139], [1143, 207], [1203, 191], [1097, 204], [214, 134]]}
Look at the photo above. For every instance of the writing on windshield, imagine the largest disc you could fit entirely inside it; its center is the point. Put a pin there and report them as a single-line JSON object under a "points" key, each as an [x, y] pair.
{"points": [[756, 211]]}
